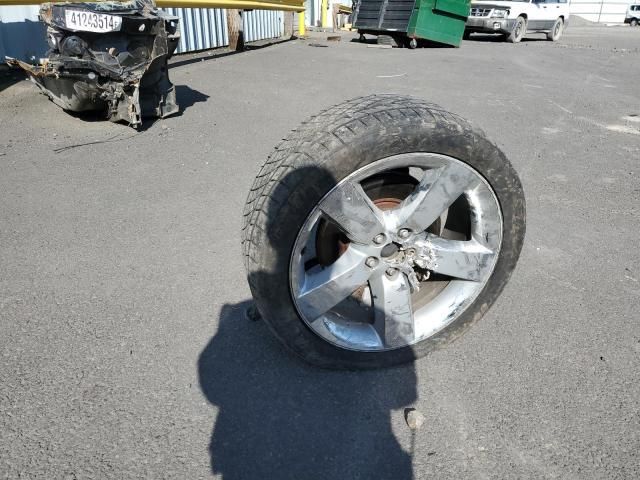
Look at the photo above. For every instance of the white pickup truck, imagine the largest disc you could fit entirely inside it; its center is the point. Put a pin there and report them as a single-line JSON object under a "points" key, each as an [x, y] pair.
{"points": [[633, 14], [514, 18]]}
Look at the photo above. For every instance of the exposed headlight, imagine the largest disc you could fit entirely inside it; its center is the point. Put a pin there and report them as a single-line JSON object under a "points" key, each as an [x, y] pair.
{"points": [[497, 13]]}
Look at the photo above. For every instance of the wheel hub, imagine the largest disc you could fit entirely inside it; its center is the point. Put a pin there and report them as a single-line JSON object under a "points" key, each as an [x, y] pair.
{"points": [[410, 257], [390, 250], [415, 259]]}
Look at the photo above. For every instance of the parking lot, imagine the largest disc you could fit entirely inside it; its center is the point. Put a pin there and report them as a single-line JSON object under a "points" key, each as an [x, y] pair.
{"points": [[124, 347]]}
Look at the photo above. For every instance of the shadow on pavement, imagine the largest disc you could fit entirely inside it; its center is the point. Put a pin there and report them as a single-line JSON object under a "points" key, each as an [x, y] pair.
{"points": [[279, 418], [187, 97], [422, 43], [9, 77], [181, 60], [500, 38]]}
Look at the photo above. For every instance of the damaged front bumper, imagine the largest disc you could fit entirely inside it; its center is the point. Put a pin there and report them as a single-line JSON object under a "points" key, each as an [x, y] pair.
{"points": [[108, 56]]}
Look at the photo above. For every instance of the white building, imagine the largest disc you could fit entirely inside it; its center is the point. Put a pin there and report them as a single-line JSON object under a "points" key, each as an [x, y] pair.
{"points": [[602, 11]]}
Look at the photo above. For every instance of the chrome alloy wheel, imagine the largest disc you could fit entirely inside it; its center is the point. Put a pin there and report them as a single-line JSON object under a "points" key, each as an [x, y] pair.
{"points": [[404, 268]]}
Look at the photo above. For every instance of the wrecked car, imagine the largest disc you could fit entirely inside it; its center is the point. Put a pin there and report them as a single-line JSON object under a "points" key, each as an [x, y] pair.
{"points": [[110, 57]]}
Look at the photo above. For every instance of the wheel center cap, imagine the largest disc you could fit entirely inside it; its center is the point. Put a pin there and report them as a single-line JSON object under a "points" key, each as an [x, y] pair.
{"points": [[390, 249]]}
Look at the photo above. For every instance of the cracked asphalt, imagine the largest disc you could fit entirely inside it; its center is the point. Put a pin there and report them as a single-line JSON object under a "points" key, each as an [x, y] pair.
{"points": [[124, 349]]}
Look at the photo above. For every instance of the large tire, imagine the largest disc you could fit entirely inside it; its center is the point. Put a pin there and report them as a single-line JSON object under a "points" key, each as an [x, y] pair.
{"points": [[633, 22], [519, 30], [556, 32], [346, 140]]}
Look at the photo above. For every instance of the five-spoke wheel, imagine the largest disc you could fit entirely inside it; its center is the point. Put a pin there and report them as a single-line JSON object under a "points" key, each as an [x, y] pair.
{"points": [[379, 231], [405, 267]]}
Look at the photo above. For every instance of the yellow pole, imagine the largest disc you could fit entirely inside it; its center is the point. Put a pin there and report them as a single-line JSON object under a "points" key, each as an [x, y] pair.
{"points": [[323, 14], [301, 26]]}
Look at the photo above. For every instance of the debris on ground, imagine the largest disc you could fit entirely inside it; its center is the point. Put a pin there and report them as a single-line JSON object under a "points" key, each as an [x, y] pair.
{"points": [[414, 418], [252, 313]]}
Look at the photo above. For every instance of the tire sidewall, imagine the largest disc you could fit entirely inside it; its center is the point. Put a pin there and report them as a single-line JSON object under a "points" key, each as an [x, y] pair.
{"points": [[380, 140], [556, 32], [514, 37], [523, 27]]}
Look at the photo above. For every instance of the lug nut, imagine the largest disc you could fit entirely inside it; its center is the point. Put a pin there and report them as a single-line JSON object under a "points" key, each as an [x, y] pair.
{"points": [[379, 239], [371, 262], [404, 233]]}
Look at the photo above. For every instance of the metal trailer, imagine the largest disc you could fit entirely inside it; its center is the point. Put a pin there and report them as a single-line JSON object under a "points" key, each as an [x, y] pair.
{"points": [[409, 21]]}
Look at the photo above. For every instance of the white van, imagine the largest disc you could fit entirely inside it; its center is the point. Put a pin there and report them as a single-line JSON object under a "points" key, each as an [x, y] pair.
{"points": [[516, 17], [633, 15]]}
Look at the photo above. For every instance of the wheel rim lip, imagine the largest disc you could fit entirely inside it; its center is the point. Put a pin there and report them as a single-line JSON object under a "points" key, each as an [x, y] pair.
{"points": [[469, 289]]}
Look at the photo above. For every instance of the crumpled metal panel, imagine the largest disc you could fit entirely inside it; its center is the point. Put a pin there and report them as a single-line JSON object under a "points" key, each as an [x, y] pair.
{"points": [[119, 68]]}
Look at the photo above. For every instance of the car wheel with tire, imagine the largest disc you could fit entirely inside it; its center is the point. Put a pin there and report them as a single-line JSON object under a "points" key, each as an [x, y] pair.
{"points": [[633, 22], [556, 32], [379, 231], [519, 29]]}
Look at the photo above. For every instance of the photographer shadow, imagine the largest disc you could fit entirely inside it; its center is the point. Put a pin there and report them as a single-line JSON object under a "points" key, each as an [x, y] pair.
{"points": [[279, 418]]}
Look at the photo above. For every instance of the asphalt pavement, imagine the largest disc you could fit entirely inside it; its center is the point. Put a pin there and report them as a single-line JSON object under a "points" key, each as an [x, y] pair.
{"points": [[124, 349]]}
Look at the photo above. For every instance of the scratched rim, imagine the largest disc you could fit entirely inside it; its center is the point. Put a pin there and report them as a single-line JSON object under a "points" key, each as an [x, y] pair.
{"points": [[405, 268]]}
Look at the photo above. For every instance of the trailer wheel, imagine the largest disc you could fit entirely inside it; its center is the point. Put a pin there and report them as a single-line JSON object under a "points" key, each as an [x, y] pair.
{"points": [[379, 231]]}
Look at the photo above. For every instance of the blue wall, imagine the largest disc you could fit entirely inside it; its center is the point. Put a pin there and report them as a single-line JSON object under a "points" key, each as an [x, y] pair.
{"points": [[21, 34]]}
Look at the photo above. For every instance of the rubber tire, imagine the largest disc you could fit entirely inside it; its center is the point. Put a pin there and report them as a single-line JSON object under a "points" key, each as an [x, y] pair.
{"points": [[323, 151], [633, 22], [512, 38], [551, 35], [412, 43]]}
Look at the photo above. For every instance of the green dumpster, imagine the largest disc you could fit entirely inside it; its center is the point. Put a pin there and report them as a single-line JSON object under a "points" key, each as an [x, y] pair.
{"points": [[408, 21]]}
